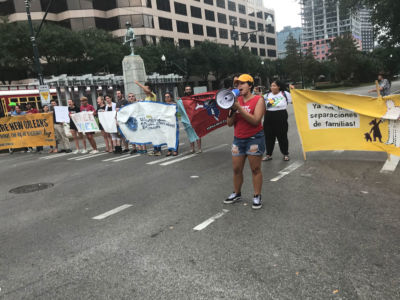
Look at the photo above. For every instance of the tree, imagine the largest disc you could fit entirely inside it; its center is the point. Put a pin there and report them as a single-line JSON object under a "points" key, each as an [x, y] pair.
{"points": [[292, 61], [344, 53]]}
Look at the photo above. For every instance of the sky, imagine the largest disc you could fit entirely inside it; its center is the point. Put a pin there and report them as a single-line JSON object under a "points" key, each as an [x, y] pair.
{"points": [[287, 12]]}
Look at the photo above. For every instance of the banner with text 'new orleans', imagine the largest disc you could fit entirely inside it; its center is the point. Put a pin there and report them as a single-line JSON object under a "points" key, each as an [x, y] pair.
{"points": [[27, 131], [337, 121], [149, 122]]}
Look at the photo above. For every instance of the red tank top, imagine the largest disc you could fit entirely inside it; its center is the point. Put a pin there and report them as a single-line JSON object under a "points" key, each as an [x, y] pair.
{"points": [[244, 129]]}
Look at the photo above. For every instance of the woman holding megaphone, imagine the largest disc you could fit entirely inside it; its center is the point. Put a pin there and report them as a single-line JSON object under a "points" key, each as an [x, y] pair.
{"points": [[245, 115]]}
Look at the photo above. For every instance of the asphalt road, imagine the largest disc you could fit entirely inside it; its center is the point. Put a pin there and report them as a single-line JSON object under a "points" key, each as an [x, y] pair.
{"points": [[329, 227]]}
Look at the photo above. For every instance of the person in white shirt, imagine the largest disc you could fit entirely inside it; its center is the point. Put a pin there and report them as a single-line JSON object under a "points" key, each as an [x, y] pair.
{"points": [[275, 120]]}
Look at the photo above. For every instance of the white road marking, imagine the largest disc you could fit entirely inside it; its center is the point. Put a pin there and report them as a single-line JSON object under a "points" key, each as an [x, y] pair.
{"points": [[288, 170], [390, 165], [194, 176], [124, 158], [190, 156], [112, 212], [210, 220], [55, 155], [91, 156], [118, 157], [338, 151], [80, 156]]}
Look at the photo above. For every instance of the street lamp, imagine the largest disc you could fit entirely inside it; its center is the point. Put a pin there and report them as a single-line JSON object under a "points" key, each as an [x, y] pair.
{"points": [[164, 59]]}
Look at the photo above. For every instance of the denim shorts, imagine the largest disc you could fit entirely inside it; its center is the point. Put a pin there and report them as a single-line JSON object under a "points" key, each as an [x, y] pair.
{"points": [[254, 145]]}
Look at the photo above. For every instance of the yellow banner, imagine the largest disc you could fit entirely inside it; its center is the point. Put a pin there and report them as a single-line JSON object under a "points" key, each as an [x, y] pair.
{"points": [[27, 131], [337, 121]]}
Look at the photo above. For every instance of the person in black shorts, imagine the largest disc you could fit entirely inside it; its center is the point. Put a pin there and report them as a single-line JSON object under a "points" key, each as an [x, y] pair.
{"points": [[73, 109]]}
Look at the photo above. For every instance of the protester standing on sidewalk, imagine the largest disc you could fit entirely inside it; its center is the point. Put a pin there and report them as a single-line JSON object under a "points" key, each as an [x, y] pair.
{"points": [[246, 115], [276, 120], [187, 93], [101, 107], [59, 132], [384, 85], [85, 106], [115, 140], [121, 102], [73, 109], [169, 99]]}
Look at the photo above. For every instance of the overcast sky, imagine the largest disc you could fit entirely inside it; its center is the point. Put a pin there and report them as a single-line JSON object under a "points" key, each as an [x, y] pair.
{"points": [[287, 12]]}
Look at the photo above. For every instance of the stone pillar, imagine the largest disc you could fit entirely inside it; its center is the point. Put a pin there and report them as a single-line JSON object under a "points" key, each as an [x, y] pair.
{"points": [[133, 70]]}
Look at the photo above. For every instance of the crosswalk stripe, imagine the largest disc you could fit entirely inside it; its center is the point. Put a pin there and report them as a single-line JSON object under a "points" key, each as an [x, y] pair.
{"points": [[91, 156], [166, 158], [55, 155], [390, 165], [125, 158], [76, 157], [191, 155], [118, 157]]}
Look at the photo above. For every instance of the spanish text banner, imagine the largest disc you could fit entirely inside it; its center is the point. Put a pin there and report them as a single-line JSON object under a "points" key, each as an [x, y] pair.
{"points": [[27, 131], [337, 121]]}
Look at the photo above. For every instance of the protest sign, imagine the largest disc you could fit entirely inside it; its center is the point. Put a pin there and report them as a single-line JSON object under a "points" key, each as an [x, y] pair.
{"points": [[204, 113], [62, 114], [108, 121], [149, 123], [85, 122], [29, 130], [336, 121], [45, 95]]}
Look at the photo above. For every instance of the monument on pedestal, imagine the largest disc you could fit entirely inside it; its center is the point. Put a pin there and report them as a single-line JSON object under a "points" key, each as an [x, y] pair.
{"points": [[133, 67]]}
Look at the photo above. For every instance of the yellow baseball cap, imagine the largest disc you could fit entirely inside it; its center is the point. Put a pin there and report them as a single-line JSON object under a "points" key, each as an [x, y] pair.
{"points": [[245, 78]]}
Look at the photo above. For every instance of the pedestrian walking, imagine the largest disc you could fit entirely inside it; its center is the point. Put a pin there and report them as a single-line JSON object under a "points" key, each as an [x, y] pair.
{"points": [[85, 106], [276, 120], [246, 115]]}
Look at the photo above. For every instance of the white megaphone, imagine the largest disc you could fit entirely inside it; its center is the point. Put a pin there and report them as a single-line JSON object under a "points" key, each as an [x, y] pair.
{"points": [[225, 98]]}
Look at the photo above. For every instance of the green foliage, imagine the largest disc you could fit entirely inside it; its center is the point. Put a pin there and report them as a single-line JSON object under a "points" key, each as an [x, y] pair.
{"points": [[292, 61]]}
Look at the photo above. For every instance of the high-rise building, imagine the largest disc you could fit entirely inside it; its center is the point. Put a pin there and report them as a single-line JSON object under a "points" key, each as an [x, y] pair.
{"points": [[323, 21], [183, 22], [282, 37], [367, 30]]}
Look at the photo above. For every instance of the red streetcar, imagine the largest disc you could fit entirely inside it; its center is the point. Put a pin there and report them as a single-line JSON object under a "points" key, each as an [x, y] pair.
{"points": [[21, 95]]}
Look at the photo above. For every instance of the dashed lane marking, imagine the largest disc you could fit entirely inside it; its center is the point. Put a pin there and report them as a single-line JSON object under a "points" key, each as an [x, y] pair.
{"points": [[207, 222], [112, 212], [390, 165], [288, 170], [190, 156]]}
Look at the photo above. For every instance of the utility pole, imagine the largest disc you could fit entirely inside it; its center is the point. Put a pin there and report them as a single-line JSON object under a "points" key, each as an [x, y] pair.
{"points": [[234, 34], [36, 56]]}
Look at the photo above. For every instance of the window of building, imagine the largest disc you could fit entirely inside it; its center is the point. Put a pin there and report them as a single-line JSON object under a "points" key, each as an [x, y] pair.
{"points": [[167, 40], [211, 31], [221, 18], [56, 7], [253, 38], [197, 43], [261, 39], [259, 14], [221, 3], [271, 53], [163, 5], [242, 8], [8, 8], [223, 33], [165, 24], [252, 25], [234, 35], [270, 41], [184, 43], [211, 2], [148, 3], [254, 51], [244, 37], [270, 29], [262, 52], [232, 20], [210, 16], [182, 26], [242, 23], [195, 12], [231, 5], [197, 29], [260, 26], [99, 5], [180, 8]]}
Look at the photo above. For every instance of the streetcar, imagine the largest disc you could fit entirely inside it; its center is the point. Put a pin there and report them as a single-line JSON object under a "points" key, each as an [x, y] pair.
{"points": [[21, 95]]}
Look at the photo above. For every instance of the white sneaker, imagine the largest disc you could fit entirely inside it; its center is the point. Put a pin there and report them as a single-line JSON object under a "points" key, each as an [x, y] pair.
{"points": [[75, 152], [84, 151], [94, 152]]}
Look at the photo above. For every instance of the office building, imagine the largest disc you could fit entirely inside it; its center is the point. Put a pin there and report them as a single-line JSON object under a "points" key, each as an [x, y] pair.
{"points": [[322, 21], [367, 30], [185, 22], [282, 37]]}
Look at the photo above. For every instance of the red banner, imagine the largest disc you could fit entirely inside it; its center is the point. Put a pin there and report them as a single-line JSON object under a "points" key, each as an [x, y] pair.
{"points": [[204, 113]]}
